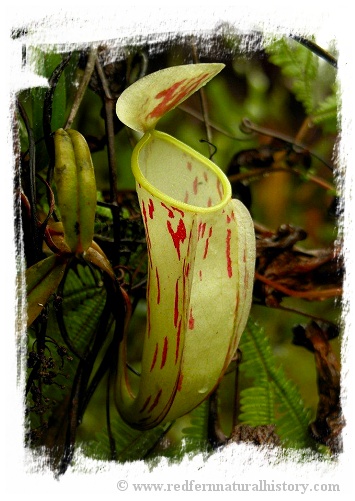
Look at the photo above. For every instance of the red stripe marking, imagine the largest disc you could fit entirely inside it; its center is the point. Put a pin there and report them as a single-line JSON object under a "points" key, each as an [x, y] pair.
{"points": [[228, 253], [191, 320], [246, 280], [219, 189], [231, 217], [207, 243], [187, 270], [200, 273], [209, 202], [154, 358], [170, 212], [186, 197], [151, 208], [205, 176], [178, 342], [167, 96], [149, 244], [156, 400], [206, 249], [165, 352], [189, 165], [158, 285], [176, 303], [172, 95], [145, 404], [144, 212], [195, 185], [179, 385], [181, 212], [201, 229], [178, 236], [148, 311]]}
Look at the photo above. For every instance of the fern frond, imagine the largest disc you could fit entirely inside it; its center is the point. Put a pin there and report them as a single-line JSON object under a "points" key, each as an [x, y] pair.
{"points": [[258, 405], [327, 110], [130, 444], [195, 435], [300, 65], [273, 399]]}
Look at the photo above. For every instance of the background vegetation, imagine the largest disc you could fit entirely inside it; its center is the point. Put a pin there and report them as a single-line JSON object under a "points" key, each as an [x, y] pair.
{"points": [[269, 120]]}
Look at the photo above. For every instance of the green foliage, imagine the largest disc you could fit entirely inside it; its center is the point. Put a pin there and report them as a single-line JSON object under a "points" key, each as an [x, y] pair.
{"points": [[308, 79], [272, 398], [83, 302], [195, 435], [327, 111], [129, 444], [300, 65]]}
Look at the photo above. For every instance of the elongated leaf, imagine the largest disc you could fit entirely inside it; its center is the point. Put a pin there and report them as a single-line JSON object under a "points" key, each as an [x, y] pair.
{"points": [[42, 279]]}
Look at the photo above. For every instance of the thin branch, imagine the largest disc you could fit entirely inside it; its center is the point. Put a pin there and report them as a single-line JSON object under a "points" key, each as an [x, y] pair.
{"points": [[316, 49], [32, 187], [248, 126], [90, 66], [238, 360], [296, 311], [213, 125], [215, 435], [47, 113], [109, 103], [312, 294], [271, 170]]}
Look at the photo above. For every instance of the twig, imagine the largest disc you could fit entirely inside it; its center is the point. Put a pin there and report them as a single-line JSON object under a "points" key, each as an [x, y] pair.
{"points": [[32, 187], [216, 437], [271, 170], [316, 49], [323, 294], [90, 66], [47, 114], [109, 103], [249, 126], [295, 311], [238, 360], [213, 125]]}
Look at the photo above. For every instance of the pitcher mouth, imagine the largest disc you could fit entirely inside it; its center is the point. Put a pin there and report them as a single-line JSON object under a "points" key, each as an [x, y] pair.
{"points": [[207, 184]]}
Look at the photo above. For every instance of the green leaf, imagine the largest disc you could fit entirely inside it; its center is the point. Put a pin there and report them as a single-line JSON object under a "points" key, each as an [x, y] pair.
{"points": [[83, 303], [327, 110], [298, 64], [46, 63], [42, 280], [130, 444], [272, 399]]}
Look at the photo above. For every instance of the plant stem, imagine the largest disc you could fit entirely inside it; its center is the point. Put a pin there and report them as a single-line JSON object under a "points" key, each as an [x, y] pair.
{"points": [[109, 104], [313, 294], [90, 66], [255, 173]]}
